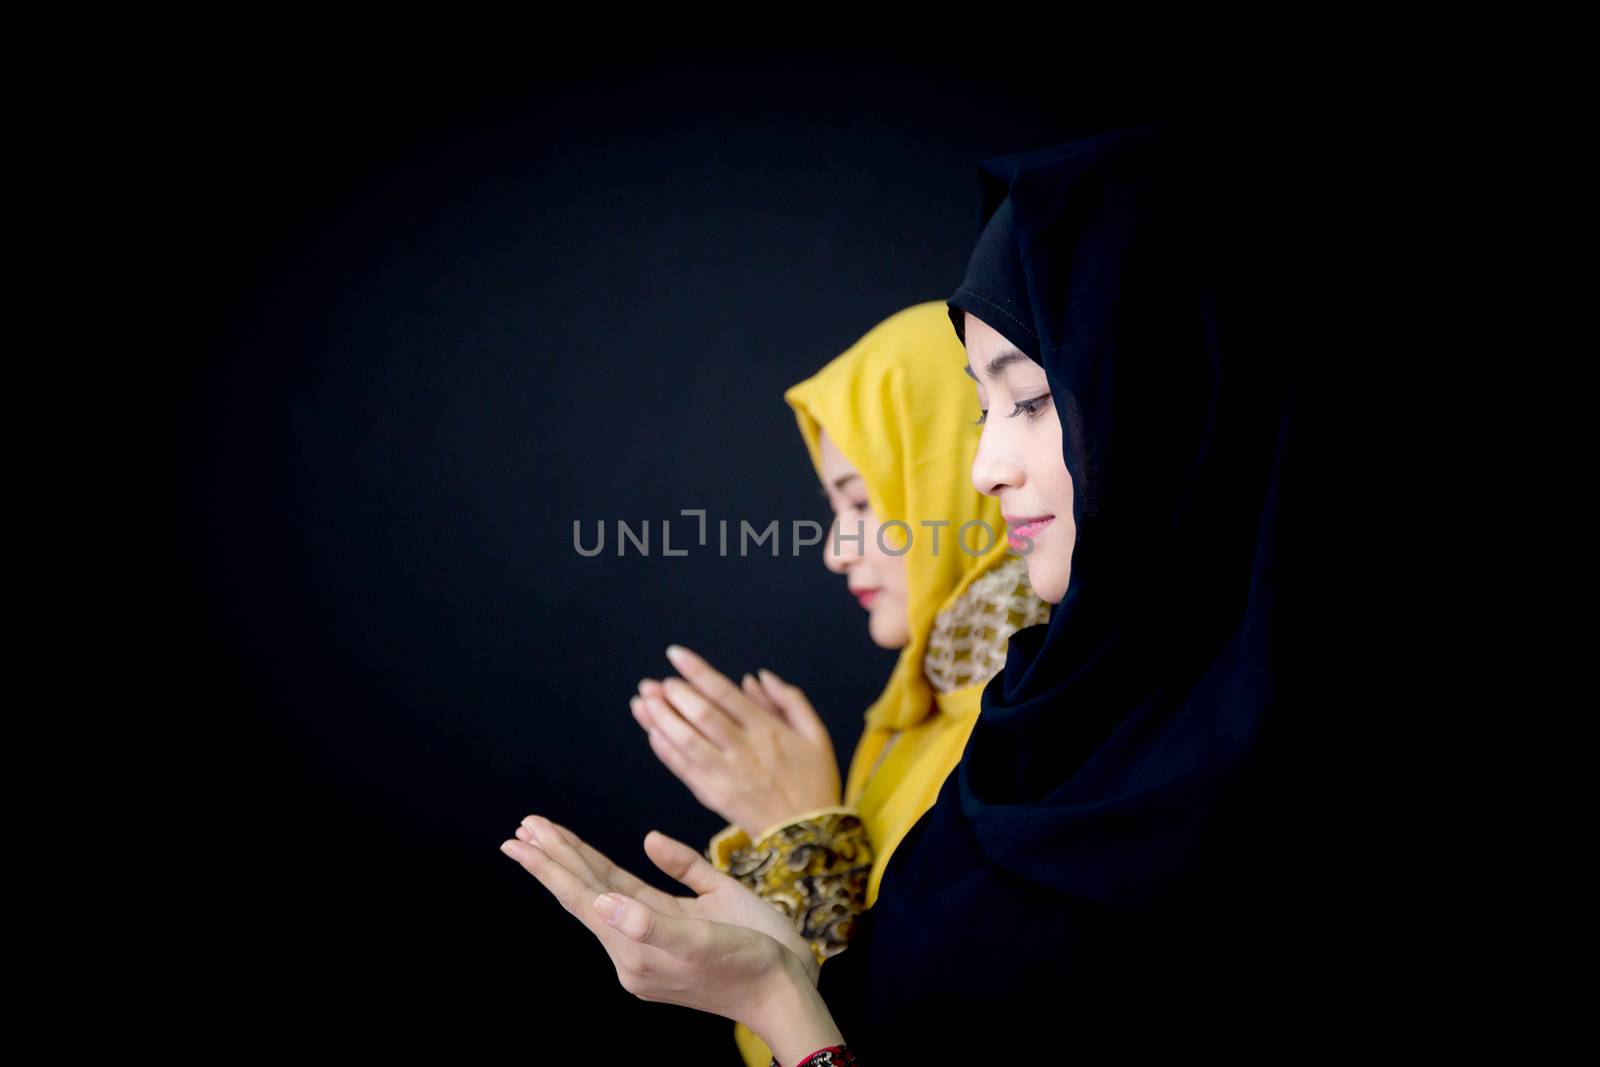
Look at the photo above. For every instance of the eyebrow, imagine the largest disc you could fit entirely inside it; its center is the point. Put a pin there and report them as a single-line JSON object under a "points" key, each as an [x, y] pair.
{"points": [[997, 364], [838, 483]]}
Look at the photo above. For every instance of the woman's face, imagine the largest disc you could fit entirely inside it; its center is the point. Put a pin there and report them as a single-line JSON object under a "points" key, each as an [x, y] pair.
{"points": [[876, 578], [1019, 457]]}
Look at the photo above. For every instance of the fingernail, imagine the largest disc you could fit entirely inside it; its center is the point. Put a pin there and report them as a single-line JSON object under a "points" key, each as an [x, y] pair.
{"points": [[505, 846], [609, 907], [674, 651]]}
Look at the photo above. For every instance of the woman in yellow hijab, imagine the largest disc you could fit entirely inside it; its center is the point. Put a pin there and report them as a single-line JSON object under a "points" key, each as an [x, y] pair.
{"points": [[890, 426]]}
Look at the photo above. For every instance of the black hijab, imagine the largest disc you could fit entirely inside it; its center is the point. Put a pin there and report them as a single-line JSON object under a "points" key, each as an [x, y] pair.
{"points": [[1116, 838]]}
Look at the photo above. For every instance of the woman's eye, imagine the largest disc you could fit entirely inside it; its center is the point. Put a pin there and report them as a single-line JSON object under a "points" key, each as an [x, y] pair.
{"points": [[859, 505], [1031, 407]]}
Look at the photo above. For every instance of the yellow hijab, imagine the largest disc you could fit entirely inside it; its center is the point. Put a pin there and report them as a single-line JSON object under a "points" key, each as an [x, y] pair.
{"points": [[900, 409]]}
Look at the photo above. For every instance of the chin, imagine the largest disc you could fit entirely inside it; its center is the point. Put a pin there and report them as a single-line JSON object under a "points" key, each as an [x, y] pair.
{"points": [[1048, 577], [887, 633]]}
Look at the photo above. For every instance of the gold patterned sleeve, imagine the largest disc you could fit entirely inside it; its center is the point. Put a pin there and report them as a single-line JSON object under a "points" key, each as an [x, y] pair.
{"points": [[813, 869]]}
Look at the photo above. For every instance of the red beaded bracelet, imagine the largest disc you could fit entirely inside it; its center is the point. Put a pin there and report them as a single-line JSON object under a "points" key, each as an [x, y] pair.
{"points": [[832, 1056]]}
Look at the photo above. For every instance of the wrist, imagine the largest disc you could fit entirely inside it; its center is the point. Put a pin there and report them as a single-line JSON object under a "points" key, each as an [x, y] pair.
{"points": [[791, 1017]]}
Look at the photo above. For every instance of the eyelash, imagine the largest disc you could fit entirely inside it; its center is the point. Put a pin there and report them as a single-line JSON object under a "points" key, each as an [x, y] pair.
{"points": [[1031, 407], [859, 505]]}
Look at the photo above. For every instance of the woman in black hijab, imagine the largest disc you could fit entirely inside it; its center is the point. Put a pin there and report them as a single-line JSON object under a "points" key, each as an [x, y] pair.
{"points": [[1119, 834], [1109, 842]]}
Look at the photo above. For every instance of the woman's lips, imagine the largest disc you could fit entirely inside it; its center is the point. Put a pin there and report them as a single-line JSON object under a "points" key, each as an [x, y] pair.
{"points": [[867, 597], [1029, 528]]}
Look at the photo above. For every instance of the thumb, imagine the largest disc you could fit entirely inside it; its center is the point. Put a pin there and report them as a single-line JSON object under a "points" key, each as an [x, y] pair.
{"points": [[682, 862], [796, 708]]}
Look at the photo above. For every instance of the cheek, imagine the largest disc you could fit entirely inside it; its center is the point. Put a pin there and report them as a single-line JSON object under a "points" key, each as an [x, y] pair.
{"points": [[1051, 570], [898, 584], [874, 537], [1048, 466], [892, 569], [889, 570], [1064, 493]]}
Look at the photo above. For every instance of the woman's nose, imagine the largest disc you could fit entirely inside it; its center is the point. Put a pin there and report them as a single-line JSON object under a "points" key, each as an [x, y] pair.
{"points": [[839, 561], [993, 468]]}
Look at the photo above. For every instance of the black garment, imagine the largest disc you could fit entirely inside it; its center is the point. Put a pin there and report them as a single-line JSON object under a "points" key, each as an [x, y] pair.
{"points": [[1128, 835]]}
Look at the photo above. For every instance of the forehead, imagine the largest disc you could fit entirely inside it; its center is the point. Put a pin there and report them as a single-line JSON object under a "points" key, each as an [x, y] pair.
{"points": [[989, 352], [977, 332]]}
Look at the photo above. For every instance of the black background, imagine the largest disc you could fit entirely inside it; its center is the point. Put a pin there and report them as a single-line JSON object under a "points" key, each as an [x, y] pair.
{"points": [[434, 316]]}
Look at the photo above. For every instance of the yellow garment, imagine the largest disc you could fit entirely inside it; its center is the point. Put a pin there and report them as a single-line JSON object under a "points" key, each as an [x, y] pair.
{"points": [[812, 867], [900, 408]]}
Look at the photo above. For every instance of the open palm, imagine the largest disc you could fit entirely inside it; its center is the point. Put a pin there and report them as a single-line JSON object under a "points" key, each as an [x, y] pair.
{"points": [[718, 897]]}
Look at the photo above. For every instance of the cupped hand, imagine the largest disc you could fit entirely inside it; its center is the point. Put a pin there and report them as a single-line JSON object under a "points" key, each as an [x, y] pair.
{"points": [[717, 897], [757, 754], [669, 949]]}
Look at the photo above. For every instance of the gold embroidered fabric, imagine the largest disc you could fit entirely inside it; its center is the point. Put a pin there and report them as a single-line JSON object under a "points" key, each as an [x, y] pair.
{"points": [[813, 870], [968, 643]]}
